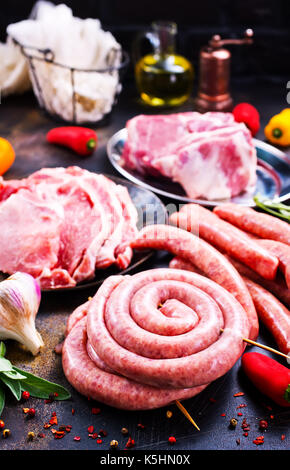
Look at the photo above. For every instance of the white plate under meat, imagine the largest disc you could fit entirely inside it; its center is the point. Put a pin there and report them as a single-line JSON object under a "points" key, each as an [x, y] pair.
{"points": [[273, 175]]}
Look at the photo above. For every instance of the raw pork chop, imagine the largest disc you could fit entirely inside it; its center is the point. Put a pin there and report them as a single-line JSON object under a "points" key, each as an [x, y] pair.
{"points": [[65, 223], [209, 155]]}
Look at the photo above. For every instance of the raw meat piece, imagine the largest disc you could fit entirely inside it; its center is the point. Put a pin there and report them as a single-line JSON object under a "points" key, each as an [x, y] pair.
{"points": [[209, 155], [87, 222], [30, 233]]}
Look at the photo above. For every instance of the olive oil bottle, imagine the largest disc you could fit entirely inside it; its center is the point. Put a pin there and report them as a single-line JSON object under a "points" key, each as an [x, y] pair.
{"points": [[163, 78]]}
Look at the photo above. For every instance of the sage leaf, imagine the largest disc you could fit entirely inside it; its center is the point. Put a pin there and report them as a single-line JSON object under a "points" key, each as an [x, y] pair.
{"points": [[2, 349], [13, 385], [5, 365], [41, 388], [13, 374], [2, 400]]}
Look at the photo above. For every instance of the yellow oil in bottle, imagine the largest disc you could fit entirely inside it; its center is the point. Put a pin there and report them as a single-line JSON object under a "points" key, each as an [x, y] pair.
{"points": [[164, 80]]}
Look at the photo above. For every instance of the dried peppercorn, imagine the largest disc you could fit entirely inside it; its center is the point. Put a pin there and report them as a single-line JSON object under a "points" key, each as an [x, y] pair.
{"points": [[31, 412], [263, 424], [114, 444], [96, 411], [2, 424], [233, 423], [6, 433], [168, 414], [103, 433], [30, 436], [124, 431]]}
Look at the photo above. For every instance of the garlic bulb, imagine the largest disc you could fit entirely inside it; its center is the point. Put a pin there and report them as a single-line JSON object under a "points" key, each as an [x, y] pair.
{"points": [[19, 303]]}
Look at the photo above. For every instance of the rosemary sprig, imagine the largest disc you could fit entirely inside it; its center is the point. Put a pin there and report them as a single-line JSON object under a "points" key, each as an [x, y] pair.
{"points": [[275, 208]]}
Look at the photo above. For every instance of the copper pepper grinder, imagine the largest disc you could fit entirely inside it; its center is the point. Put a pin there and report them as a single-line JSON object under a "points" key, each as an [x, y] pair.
{"points": [[214, 74]]}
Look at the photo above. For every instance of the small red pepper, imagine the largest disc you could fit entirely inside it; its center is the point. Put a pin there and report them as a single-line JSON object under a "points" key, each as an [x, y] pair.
{"points": [[80, 139], [249, 115], [269, 376]]}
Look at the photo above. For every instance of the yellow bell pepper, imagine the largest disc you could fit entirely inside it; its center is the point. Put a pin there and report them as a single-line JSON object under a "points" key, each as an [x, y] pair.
{"points": [[277, 130], [7, 155]]}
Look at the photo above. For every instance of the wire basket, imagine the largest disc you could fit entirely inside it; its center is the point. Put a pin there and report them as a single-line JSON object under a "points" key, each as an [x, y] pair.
{"points": [[72, 94]]}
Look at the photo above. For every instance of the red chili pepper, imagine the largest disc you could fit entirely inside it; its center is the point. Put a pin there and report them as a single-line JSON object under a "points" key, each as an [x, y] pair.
{"points": [[269, 376], [249, 115], [80, 139]]}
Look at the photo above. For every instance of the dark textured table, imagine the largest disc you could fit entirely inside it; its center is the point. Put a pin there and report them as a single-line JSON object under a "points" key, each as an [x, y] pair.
{"points": [[25, 126]]}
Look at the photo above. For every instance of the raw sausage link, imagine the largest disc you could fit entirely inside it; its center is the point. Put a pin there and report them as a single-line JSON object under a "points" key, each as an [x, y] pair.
{"points": [[278, 287], [179, 263], [205, 257], [274, 315], [282, 251], [226, 237], [128, 332], [262, 225], [98, 384]]}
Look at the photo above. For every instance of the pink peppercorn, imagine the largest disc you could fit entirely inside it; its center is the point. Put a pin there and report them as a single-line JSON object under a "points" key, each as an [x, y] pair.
{"points": [[171, 440], [25, 395]]}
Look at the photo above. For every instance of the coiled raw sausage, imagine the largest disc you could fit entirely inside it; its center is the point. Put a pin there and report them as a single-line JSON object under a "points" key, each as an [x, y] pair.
{"points": [[205, 257], [154, 336]]}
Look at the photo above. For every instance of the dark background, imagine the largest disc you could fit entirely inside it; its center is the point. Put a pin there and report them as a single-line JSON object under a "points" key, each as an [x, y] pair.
{"points": [[269, 56], [260, 73]]}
